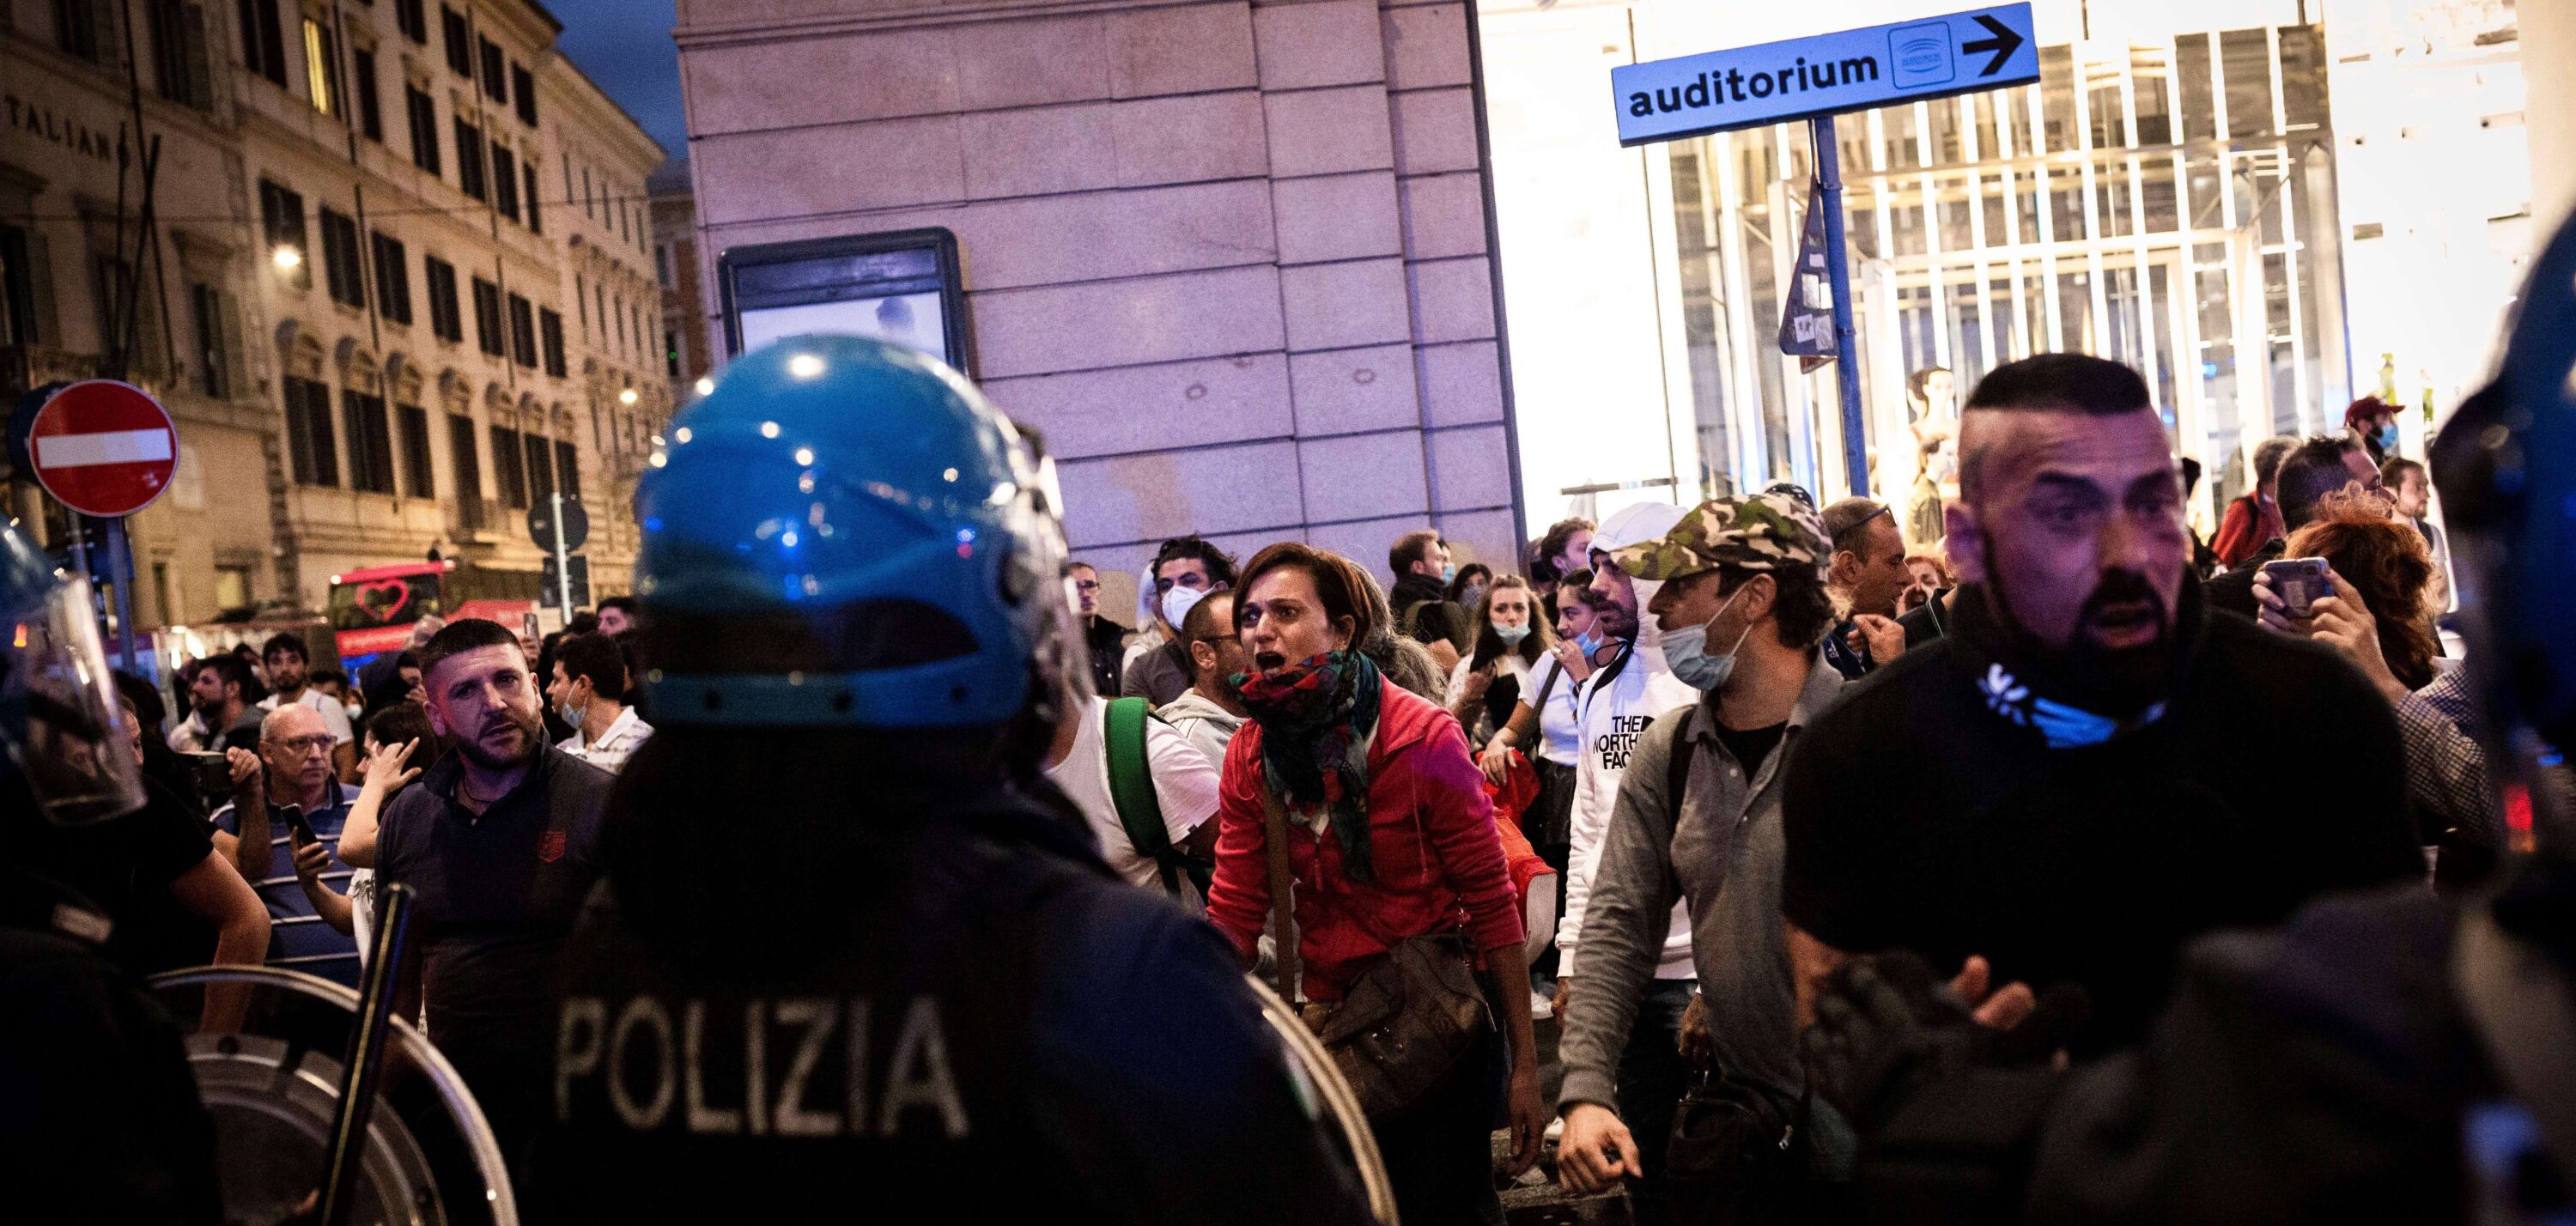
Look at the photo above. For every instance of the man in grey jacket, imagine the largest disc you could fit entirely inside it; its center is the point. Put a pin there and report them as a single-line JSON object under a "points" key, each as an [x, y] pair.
{"points": [[1741, 611], [1207, 713]]}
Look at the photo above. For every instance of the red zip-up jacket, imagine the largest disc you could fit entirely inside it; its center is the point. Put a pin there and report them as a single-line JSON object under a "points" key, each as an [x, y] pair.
{"points": [[1439, 859]]}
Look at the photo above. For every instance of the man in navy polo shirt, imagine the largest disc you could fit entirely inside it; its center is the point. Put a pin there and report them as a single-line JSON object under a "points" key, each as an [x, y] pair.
{"points": [[302, 797], [500, 841]]}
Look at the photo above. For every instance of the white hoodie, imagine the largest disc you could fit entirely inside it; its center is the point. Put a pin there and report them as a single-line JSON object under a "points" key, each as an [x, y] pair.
{"points": [[1615, 711]]}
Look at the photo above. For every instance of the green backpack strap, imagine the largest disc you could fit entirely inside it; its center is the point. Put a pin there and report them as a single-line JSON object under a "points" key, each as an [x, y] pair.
{"points": [[1131, 786]]}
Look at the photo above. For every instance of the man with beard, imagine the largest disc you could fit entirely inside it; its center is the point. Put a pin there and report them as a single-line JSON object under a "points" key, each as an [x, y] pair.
{"points": [[2096, 770], [500, 843]]}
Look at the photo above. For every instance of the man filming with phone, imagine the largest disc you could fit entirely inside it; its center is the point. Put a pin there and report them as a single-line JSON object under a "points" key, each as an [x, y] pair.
{"points": [[287, 797]]}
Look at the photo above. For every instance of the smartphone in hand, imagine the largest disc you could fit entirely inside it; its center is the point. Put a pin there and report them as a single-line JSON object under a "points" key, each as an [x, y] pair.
{"points": [[300, 828], [2300, 582]]}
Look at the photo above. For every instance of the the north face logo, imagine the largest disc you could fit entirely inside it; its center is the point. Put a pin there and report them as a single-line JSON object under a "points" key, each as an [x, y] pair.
{"points": [[551, 847]]}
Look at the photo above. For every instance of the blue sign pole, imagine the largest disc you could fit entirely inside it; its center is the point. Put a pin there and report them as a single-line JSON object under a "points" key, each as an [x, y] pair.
{"points": [[1829, 188]]}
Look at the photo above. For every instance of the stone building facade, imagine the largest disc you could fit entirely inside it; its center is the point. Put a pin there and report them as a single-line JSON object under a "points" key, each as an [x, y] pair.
{"points": [[1233, 260], [403, 289]]}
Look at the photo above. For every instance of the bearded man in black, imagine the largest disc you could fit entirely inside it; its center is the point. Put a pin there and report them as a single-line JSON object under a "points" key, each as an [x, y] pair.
{"points": [[2095, 767]]}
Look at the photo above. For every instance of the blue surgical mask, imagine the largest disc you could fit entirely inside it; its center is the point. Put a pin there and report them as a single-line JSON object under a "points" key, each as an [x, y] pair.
{"points": [[1686, 652], [1449, 573], [2387, 436], [570, 712], [1511, 635], [1587, 643]]}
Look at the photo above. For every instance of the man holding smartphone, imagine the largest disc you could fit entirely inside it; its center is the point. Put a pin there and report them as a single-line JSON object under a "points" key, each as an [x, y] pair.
{"points": [[284, 797]]}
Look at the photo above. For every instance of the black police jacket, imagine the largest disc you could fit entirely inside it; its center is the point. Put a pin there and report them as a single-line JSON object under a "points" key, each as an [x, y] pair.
{"points": [[99, 1116], [980, 1022]]}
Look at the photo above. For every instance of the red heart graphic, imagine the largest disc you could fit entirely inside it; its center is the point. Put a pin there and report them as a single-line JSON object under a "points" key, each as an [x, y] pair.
{"points": [[383, 598]]}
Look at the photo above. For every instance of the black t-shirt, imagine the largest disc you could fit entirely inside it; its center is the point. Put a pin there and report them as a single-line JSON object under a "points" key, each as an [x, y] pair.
{"points": [[1751, 746], [124, 867], [1918, 816], [494, 899], [959, 1007]]}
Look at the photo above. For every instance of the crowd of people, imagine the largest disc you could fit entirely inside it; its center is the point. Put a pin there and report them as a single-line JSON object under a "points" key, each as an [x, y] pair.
{"points": [[1723, 795]]}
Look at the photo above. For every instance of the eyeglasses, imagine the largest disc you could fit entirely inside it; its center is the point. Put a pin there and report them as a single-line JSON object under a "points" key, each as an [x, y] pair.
{"points": [[1853, 531], [1086, 585], [319, 742]]}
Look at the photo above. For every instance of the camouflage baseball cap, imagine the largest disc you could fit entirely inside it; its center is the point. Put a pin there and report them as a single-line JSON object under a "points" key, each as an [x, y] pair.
{"points": [[1748, 531]]}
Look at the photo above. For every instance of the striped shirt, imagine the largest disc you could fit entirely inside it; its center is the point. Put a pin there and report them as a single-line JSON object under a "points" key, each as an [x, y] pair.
{"points": [[298, 939]]}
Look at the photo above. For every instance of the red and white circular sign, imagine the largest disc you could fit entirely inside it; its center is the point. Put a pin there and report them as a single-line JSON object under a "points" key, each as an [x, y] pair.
{"points": [[103, 448]]}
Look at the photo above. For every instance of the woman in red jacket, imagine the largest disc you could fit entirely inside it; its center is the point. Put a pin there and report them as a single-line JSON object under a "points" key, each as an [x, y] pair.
{"points": [[1390, 837]]}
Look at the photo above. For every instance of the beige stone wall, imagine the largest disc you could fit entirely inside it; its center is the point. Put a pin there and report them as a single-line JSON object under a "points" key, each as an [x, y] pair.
{"points": [[1231, 259]]}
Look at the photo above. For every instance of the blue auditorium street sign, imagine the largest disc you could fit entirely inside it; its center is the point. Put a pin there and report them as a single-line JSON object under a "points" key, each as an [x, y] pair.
{"points": [[1906, 61]]}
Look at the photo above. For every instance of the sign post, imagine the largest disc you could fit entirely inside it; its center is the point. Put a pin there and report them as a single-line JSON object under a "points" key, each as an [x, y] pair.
{"points": [[559, 526], [105, 449], [1815, 79]]}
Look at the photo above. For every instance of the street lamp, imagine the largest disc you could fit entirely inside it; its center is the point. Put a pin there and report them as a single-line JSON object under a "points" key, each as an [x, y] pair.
{"points": [[286, 257], [706, 384], [626, 397]]}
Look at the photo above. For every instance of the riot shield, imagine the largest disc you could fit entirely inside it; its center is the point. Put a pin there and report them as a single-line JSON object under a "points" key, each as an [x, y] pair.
{"points": [[1308, 1060]]}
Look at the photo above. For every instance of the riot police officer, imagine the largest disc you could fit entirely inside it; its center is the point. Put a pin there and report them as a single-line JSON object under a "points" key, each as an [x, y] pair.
{"points": [[850, 951], [99, 1119], [2382, 1056]]}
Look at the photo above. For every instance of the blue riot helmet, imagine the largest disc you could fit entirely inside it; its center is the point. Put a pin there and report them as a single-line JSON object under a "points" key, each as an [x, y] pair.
{"points": [[2505, 463], [59, 718], [845, 533]]}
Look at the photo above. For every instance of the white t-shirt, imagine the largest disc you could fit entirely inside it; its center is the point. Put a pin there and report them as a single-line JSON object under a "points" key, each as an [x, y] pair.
{"points": [[617, 742], [1616, 709], [1560, 722], [1185, 784], [335, 717]]}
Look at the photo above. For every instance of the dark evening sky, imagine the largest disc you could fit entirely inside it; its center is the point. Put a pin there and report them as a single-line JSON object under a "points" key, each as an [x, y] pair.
{"points": [[625, 46]]}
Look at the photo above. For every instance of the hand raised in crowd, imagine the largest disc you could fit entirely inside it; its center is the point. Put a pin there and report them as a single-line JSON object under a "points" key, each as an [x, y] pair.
{"points": [[2340, 621], [1595, 1150], [386, 771], [247, 771], [1881, 638], [1496, 760], [1570, 657]]}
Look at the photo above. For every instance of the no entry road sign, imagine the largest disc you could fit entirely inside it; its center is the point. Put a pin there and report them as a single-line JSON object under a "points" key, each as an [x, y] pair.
{"points": [[1906, 61], [103, 448]]}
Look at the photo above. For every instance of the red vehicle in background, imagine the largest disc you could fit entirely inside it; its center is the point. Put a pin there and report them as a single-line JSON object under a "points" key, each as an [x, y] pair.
{"points": [[373, 610]]}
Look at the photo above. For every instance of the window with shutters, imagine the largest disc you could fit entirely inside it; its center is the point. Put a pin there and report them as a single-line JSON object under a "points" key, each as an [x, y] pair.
{"points": [[322, 69], [469, 158], [466, 465], [496, 82], [523, 331], [568, 470], [343, 267], [86, 29], [509, 468], [460, 50], [505, 181], [671, 352], [312, 453], [424, 128], [263, 40], [393, 278], [413, 18], [541, 469], [420, 477], [362, 72], [445, 322], [281, 215], [17, 287], [179, 65], [524, 87], [217, 323], [536, 223], [487, 317], [550, 336], [371, 442]]}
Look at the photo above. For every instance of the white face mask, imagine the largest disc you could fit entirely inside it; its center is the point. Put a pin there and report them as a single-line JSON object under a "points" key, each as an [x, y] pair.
{"points": [[1511, 635], [1178, 602]]}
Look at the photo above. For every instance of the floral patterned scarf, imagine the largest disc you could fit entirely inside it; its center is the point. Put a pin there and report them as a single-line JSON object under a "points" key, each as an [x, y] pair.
{"points": [[1315, 719]]}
